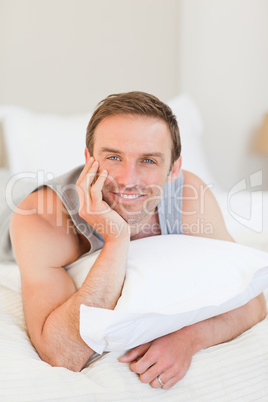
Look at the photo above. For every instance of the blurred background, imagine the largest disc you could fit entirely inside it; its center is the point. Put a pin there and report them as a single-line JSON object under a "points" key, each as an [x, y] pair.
{"points": [[64, 56]]}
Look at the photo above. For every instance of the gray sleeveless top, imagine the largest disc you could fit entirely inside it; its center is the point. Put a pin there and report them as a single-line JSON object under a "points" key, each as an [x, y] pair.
{"points": [[169, 208]]}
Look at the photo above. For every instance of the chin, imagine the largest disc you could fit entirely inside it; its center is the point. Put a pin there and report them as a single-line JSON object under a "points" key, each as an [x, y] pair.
{"points": [[132, 214], [131, 218]]}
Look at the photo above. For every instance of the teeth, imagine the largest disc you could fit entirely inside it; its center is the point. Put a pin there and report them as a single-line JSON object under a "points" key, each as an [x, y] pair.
{"points": [[130, 196]]}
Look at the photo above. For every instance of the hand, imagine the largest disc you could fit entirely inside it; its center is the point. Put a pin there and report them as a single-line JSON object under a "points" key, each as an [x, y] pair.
{"points": [[168, 357], [93, 209]]}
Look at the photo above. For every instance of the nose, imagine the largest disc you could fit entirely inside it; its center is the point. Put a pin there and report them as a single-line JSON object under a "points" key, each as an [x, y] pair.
{"points": [[128, 175]]}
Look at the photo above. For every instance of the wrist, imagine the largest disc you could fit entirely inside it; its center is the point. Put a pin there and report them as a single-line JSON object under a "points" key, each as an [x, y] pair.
{"points": [[116, 245], [120, 233], [195, 334]]}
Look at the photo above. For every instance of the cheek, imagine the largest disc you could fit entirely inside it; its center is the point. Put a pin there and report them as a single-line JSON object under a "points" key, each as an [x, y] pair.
{"points": [[155, 175], [155, 181], [111, 182], [107, 164], [111, 169]]}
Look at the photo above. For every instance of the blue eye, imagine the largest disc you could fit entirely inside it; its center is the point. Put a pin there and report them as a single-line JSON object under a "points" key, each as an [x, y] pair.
{"points": [[148, 161], [114, 158]]}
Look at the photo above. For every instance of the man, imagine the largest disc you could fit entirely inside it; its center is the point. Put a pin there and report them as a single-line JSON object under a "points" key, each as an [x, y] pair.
{"points": [[132, 157]]}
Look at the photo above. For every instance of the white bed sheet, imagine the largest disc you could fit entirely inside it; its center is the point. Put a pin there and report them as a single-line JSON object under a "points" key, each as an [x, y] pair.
{"points": [[234, 371]]}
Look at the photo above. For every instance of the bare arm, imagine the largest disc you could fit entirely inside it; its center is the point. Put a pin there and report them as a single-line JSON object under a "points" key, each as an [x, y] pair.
{"points": [[50, 299], [170, 356], [201, 214]]}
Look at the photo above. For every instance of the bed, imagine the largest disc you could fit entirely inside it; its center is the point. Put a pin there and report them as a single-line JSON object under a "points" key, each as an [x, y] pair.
{"points": [[233, 371]]}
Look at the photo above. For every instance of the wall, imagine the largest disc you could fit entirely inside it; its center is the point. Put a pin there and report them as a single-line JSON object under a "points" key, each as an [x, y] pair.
{"points": [[66, 55], [223, 65]]}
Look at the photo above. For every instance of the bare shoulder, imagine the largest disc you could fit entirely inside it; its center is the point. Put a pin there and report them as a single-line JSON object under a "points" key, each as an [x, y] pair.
{"points": [[190, 178], [41, 223], [201, 214]]}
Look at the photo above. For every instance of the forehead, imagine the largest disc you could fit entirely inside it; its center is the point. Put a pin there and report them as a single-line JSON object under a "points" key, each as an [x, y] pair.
{"points": [[133, 133]]}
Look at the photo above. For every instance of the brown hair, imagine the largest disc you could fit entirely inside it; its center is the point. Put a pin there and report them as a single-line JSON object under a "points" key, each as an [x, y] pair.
{"points": [[135, 103]]}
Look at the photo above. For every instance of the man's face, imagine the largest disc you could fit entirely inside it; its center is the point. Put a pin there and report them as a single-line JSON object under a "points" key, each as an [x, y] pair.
{"points": [[136, 152]]}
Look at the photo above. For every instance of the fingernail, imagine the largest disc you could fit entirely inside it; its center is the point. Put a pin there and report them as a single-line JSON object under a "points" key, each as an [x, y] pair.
{"points": [[122, 358], [125, 356]]}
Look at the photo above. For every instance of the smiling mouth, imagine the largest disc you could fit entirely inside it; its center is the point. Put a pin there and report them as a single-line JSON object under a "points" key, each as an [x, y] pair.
{"points": [[129, 196]]}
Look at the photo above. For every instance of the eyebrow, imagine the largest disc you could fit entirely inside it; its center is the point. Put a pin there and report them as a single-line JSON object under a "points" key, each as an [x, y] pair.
{"points": [[112, 150], [159, 155]]}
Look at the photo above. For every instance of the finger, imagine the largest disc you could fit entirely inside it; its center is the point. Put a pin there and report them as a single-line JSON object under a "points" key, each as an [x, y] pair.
{"points": [[149, 375], [84, 185], [143, 364], [159, 367], [135, 353], [85, 170], [96, 188], [155, 383], [167, 378], [171, 382]]}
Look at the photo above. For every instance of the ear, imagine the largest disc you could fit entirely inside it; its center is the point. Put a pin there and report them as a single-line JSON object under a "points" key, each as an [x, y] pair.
{"points": [[175, 170], [87, 155]]}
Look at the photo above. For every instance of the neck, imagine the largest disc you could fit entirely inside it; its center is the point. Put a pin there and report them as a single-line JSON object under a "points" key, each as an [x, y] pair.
{"points": [[146, 229]]}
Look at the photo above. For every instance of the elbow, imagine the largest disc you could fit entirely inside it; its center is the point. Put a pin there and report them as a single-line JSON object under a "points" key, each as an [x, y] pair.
{"points": [[61, 350], [56, 360], [72, 366], [261, 307], [63, 356]]}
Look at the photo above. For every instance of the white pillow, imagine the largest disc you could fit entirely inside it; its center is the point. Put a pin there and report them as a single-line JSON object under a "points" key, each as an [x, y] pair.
{"points": [[171, 281], [191, 131], [52, 143]]}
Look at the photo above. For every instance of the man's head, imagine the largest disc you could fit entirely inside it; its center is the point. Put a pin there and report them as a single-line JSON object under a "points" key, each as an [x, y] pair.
{"points": [[135, 103], [135, 138]]}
